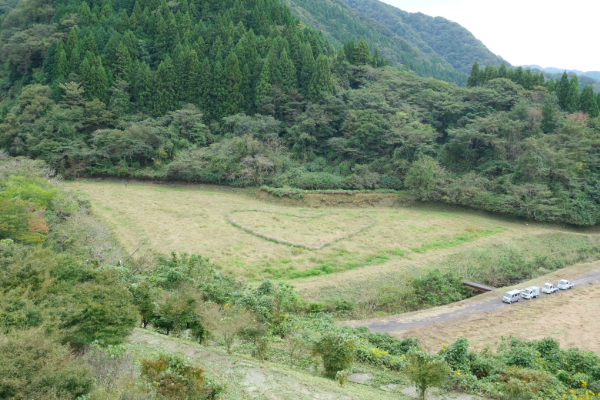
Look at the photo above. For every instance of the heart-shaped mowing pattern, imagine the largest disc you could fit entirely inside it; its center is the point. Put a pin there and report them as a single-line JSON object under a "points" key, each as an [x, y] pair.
{"points": [[312, 232]]}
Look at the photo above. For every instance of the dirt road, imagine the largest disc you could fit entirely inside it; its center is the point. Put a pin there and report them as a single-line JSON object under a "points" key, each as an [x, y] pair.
{"points": [[492, 302]]}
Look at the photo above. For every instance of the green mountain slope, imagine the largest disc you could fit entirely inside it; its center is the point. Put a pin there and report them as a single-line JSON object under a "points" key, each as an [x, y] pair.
{"points": [[433, 36], [340, 23]]}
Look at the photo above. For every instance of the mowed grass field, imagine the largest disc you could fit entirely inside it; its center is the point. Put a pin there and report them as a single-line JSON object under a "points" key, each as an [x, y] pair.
{"points": [[194, 219]]}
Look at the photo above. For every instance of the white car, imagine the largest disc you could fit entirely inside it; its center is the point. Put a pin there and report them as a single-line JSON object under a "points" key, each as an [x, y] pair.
{"points": [[564, 285], [512, 297], [549, 288], [531, 292]]}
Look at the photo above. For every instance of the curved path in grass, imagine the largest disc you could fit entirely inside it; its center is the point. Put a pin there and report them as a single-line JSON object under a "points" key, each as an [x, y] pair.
{"points": [[492, 302]]}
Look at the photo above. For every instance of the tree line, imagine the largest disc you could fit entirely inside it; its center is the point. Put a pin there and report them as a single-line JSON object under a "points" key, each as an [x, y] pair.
{"points": [[570, 97]]}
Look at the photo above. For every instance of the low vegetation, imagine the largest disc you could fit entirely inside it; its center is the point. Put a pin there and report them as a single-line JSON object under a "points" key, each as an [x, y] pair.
{"points": [[71, 299]]}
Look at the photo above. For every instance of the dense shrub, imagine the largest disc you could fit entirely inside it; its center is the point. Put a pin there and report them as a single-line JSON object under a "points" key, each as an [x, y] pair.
{"points": [[35, 367], [175, 377], [337, 348]]}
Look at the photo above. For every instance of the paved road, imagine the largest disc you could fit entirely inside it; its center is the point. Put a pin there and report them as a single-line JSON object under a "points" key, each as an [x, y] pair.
{"points": [[402, 323]]}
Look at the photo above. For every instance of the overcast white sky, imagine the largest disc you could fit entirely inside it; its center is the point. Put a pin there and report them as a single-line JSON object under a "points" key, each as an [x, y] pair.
{"points": [[547, 33]]}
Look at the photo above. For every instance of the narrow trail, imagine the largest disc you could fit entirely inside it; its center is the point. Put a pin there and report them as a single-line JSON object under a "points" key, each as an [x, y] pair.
{"points": [[404, 322]]}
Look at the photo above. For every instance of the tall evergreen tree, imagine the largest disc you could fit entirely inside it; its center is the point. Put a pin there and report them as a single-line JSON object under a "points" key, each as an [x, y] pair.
{"points": [[164, 96], [85, 72], [72, 42], [502, 71], [321, 80], [341, 68], [217, 91], [474, 78], [85, 14], [362, 55], [233, 97], [308, 67], [193, 78], [528, 80], [99, 83], [110, 51], [588, 102], [287, 71], [562, 90], [550, 85], [122, 65], [204, 87], [349, 50], [548, 116], [61, 65], [143, 87], [572, 103]]}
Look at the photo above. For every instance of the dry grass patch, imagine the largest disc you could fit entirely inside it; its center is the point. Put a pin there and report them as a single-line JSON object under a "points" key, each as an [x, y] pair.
{"points": [[193, 219]]}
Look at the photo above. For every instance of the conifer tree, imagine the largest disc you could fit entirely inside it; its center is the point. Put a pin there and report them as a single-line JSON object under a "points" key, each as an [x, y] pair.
{"points": [[349, 50], [99, 83], [72, 42], [164, 97], [110, 51], [61, 65], [143, 87], [123, 21], [528, 79], [204, 87], [550, 85], [263, 86], [588, 102], [75, 60], [85, 14], [247, 90], [130, 42], [341, 68], [287, 71], [474, 78], [598, 99], [90, 45], [122, 65], [362, 55], [233, 101], [518, 75], [161, 41], [193, 78], [490, 73], [502, 71], [572, 103], [376, 61], [321, 80], [548, 116], [133, 22], [293, 40], [562, 90], [308, 66], [85, 72], [217, 88]]}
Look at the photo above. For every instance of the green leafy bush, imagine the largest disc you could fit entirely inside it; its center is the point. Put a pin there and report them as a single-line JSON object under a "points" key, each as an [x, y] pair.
{"points": [[337, 349]]}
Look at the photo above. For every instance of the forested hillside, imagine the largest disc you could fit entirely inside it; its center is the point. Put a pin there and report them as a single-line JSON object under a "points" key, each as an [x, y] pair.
{"points": [[240, 93], [340, 23], [437, 37]]}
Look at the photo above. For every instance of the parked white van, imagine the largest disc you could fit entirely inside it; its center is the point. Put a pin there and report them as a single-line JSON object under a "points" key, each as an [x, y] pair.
{"points": [[512, 297], [531, 292]]}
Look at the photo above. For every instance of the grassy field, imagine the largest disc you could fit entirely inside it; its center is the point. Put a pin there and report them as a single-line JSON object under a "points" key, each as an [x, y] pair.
{"points": [[194, 219]]}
